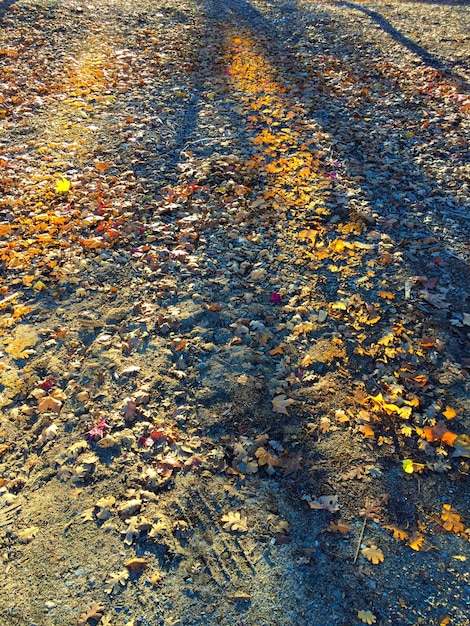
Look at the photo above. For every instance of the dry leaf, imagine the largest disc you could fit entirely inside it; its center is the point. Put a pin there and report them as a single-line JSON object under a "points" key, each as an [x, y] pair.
{"points": [[416, 542], [398, 533], [452, 520], [325, 503], [48, 403], [280, 404], [235, 522], [28, 534], [115, 581], [449, 413], [343, 528], [367, 617], [373, 554], [95, 612], [137, 564]]}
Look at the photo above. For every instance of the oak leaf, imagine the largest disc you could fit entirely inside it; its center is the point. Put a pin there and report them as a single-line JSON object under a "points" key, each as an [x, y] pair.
{"points": [[116, 580], [452, 520], [416, 542], [235, 522]]}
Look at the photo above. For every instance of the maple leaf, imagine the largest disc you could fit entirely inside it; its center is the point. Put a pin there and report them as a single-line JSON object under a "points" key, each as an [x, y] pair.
{"points": [[373, 554], [62, 185], [48, 403], [367, 617], [372, 508], [235, 522], [436, 300], [98, 430], [266, 458], [280, 404]]}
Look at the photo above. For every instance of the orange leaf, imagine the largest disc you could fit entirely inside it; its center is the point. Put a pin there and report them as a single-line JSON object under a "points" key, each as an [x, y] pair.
{"points": [[421, 380], [449, 438], [416, 542], [367, 431], [181, 345], [93, 243], [386, 295], [278, 350], [452, 520], [449, 413], [102, 166]]}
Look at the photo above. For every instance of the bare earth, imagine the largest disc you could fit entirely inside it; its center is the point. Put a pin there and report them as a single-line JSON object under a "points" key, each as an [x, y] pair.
{"points": [[234, 313]]}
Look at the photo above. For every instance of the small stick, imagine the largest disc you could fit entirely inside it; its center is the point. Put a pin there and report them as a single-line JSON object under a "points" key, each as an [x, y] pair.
{"points": [[361, 535]]}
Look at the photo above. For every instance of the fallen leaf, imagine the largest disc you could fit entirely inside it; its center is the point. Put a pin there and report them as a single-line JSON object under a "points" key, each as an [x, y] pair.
{"points": [[373, 554], [62, 185], [235, 522], [325, 503], [280, 404], [449, 413], [452, 520], [48, 403], [416, 542], [367, 617]]}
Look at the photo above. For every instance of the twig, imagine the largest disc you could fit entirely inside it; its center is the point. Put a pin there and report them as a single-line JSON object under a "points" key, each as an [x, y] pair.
{"points": [[361, 535]]}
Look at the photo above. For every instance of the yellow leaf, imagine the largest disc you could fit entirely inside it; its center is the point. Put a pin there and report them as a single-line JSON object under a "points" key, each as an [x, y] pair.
{"points": [[398, 533], [21, 309], [62, 185], [373, 554], [39, 286], [408, 466], [449, 413], [367, 617], [452, 520], [306, 361], [416, 542]]}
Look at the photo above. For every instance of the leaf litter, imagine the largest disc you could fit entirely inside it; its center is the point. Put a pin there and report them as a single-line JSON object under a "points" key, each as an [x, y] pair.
{"points": [[235, 273]]}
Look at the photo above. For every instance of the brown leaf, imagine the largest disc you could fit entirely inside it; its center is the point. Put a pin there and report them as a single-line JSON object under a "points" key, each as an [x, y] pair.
{"points": [[48, 403], [137, 564]]}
